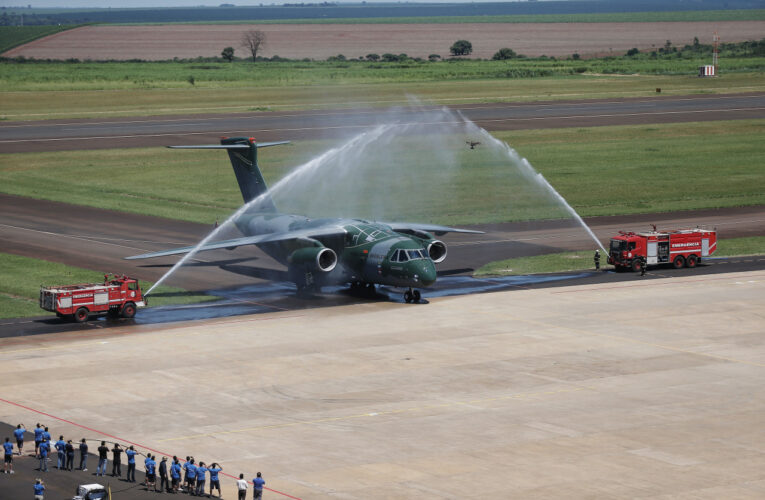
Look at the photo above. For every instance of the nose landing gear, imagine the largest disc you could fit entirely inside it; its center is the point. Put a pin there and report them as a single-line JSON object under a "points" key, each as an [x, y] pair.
{"points": [[412, 296]]}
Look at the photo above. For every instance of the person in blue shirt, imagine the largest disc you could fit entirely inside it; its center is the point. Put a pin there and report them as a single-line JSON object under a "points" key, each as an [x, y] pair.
{"points": [[39, 489], [61, 448], [46, 436], [201, 470], [191, 475], [151, 476], [19, 433], [38, 438], [8, 456], [214, 482], [257, 487], [131, 453], [175, 474], [83, 455], [44, 449]]}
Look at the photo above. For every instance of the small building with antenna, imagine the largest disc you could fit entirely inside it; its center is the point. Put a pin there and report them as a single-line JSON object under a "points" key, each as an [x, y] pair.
{"points": [[711, 69]]}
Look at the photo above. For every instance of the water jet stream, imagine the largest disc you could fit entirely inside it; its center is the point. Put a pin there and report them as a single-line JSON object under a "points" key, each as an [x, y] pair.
{"points": [[418, 172], [296, 173]]}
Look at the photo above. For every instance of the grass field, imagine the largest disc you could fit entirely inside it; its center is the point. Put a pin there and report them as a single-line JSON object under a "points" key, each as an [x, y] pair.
{"points": [[63, 76], [21, 277], [13, 36], [582, 261], [37, 105], [599, 170]]}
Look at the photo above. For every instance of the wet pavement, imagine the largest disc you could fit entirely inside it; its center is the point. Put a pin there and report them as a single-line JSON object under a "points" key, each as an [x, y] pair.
{"points": [[275, 296]]}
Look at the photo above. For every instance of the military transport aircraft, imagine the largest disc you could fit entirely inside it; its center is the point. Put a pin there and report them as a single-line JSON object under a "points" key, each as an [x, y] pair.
{"points": [[326, 251]]}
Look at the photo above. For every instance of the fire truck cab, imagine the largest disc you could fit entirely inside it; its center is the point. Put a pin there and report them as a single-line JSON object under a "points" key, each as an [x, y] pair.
{"points": [[681, 247], [116, 296]]}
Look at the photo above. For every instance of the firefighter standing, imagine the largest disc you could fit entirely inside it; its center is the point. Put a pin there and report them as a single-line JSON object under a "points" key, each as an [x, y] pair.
{"points": [[642, 266], [597, 259]]}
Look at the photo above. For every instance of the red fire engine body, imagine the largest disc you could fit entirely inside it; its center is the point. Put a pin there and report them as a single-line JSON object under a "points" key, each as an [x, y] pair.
{"points": [[117, 296], [682, 247]]}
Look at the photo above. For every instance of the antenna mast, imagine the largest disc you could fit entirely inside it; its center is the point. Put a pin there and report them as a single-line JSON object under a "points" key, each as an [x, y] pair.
{"points": [[716, 40]]}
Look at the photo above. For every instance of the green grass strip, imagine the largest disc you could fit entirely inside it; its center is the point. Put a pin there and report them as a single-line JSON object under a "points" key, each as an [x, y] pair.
{"points": [[13, 36], [599, 170], [21, 278], [583, 261]]}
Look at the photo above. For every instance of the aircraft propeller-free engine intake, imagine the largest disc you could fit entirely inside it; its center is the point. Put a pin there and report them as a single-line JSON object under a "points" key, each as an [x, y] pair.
{"points": [[326, 251]]}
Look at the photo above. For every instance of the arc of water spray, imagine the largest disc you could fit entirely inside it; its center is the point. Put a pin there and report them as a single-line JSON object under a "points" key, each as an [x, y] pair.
{"points": [[297, 172], [537, 176]]}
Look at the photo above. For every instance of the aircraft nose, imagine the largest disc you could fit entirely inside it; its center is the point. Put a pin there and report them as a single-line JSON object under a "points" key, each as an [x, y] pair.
{"points": [[427, 273]]}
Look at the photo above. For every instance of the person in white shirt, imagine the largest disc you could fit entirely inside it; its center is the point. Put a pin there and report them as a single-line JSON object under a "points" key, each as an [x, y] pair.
{"points": [[242, 485]]}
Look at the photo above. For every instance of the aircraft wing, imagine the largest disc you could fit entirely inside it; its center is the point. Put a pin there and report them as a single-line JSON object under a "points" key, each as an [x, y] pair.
{"points": [[431, 228], [302, 234]]}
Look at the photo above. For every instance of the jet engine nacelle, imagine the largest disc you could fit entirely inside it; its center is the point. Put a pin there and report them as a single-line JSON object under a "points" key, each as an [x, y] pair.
{"points": [[437, 251], [314, 259]]}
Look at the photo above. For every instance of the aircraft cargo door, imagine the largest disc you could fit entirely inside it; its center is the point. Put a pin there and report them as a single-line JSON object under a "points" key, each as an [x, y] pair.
{"points": [[651, 252]]}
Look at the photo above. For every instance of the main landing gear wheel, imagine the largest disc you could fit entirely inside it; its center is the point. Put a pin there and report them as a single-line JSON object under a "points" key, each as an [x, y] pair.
{"points": [[412, 296], [81, 315]]}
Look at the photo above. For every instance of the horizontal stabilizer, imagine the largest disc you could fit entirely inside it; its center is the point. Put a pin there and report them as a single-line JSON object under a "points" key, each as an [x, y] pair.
{"points": [[231, 146]]}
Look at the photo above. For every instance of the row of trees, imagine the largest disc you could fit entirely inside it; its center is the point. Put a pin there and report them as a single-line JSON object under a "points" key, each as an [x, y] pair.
{"points": [[254, 40]]}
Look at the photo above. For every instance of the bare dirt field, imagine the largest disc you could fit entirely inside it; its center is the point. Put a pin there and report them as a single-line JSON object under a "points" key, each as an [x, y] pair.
{"points": [[416, 40]]}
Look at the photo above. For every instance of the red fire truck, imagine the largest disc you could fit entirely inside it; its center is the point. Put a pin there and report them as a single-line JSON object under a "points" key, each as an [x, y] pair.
{"points": [[681, 247], [116, 296]]}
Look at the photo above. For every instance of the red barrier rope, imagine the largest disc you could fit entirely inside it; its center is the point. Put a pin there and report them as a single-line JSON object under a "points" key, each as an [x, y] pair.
{"points": [[126, 441]]}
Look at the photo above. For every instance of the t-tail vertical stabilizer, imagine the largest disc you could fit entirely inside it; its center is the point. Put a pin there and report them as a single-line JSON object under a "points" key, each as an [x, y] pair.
{"points": [[243, 153]]}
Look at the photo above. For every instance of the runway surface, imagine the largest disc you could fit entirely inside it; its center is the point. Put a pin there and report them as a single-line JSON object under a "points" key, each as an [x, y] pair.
{"points": [[58, 135], [646, 388]]}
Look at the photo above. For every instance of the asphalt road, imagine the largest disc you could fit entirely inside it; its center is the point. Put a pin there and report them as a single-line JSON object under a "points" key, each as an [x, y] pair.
{"points": [[59, 135]]}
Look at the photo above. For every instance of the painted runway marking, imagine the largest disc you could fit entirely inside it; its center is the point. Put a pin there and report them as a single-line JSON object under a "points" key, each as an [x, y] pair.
{"points": [[414, 409]]}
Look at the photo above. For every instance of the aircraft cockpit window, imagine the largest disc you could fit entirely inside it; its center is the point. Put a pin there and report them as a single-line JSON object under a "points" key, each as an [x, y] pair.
{"points": [[414, 254], [402, 256]]}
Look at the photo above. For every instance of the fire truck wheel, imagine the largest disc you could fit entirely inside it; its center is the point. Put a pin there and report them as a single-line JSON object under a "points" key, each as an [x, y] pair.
{"points": [[636, 265], [678, 262], [81, 315], [692, 261], [128, 310]]}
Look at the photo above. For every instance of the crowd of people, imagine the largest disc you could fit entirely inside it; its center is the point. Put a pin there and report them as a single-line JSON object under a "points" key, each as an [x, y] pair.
{"points": [[190, 477]]}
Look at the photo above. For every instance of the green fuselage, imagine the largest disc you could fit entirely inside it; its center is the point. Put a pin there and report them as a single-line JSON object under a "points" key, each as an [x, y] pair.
{"points": [[367, 252]]}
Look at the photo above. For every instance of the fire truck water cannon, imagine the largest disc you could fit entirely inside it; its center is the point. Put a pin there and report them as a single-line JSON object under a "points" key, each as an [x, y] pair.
{"points": [[118, 295], [679, 247]]}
